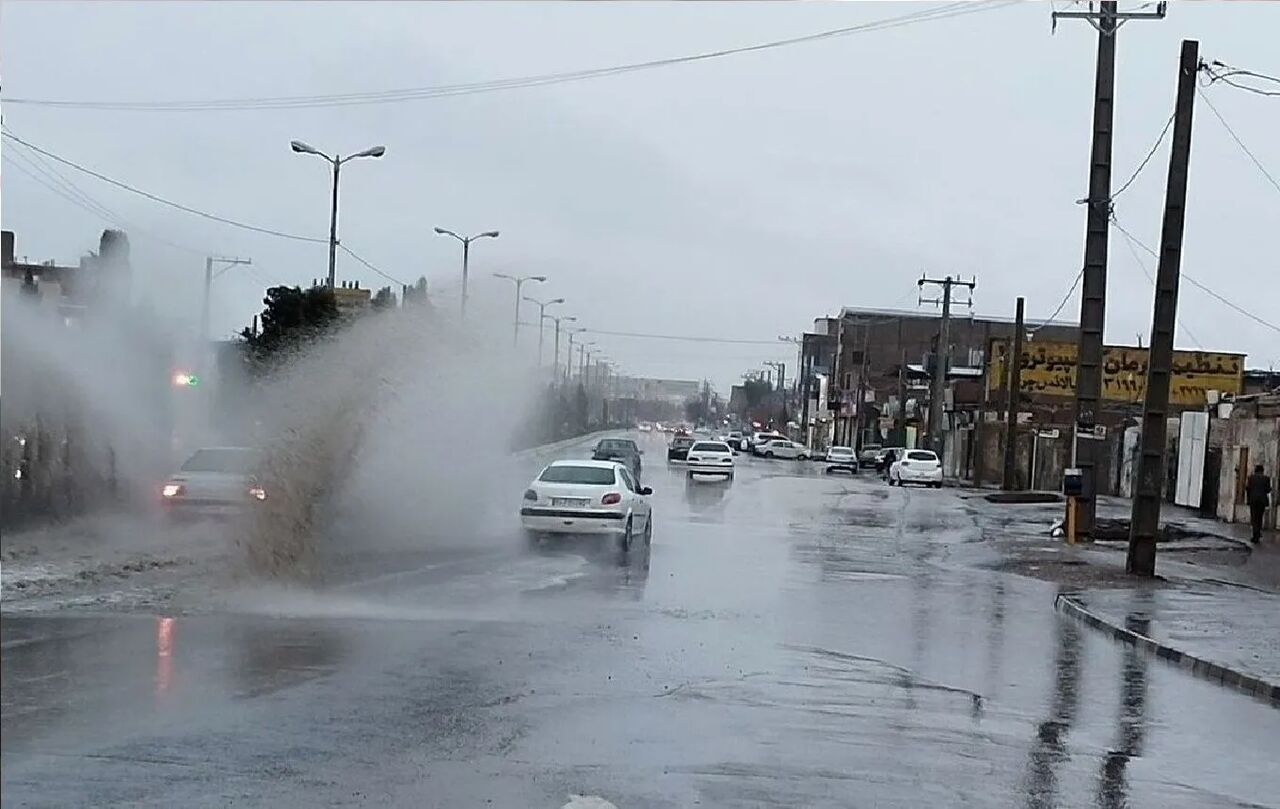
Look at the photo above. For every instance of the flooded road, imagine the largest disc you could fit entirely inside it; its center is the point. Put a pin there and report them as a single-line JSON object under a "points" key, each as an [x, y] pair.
{"points": [[790, 639]]}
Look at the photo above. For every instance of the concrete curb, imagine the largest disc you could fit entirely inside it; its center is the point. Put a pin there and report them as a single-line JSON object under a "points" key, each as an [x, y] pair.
{"points": [[1214, 672], [568, 442]]}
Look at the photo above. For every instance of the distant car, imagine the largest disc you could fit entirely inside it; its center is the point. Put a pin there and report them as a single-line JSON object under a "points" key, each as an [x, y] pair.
{"points": [[758, 439], [784, 448], [869, 455], [588, 497], [678, 450], [917, 466], [645, 427], [710, 458], [734, 439], [838, 458], [214, 482], [622, 450]]}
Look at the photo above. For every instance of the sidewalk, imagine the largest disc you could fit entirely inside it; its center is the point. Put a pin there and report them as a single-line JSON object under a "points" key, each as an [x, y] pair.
{"points": [[1225, 633], [1213, 609]]}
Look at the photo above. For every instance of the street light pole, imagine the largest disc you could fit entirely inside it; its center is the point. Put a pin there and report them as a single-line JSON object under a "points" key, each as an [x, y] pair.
{"points": [[519, 282], [542, 316], [336, 161], [568, 357], [555, 365], [466, 255]]}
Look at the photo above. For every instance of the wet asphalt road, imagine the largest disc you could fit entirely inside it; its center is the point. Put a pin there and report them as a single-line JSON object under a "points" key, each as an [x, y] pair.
{"points": [[791, 639]]}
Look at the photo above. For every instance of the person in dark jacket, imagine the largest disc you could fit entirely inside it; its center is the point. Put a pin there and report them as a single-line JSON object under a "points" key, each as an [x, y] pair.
{"points": [[1257, 493]]}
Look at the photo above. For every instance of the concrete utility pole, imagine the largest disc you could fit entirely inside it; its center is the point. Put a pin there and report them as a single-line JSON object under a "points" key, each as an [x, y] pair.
{"points": [[1144, 522], [1013, 360], [1093, 289], [555, 363], [208, 284], [860, 423], [936, 390], [900, 424]]}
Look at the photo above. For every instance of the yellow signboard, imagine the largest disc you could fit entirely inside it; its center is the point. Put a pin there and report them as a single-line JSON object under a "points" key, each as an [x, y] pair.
{"points": [[1050, 369]]}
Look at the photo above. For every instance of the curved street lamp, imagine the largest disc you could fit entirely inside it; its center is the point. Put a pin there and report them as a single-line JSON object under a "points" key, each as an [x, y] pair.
{"points": [[518, 280], [336, 161], [466, 251], [542, 316]]}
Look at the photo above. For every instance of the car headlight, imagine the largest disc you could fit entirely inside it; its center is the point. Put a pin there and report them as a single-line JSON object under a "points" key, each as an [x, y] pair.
{"points": [[172, 490], [258, 493]]}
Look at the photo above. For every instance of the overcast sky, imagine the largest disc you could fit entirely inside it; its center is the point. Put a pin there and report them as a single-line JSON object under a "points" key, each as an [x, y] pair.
{"points": [[735, 198]]}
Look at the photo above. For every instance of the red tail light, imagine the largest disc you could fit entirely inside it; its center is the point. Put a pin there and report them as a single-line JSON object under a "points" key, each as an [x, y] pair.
{"points": [[530, 494], [611, 499]]}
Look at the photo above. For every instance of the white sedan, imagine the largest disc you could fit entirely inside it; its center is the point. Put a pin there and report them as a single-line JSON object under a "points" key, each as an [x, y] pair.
{"points": [[917, 466], [783, 448], [588, 497], [214, 482], [710, 458]]}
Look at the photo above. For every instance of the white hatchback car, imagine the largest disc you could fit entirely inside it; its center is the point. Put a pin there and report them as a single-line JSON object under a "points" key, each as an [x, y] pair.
{"points": [[783, 448], [710, 458], [917, 466], [588, 497]]}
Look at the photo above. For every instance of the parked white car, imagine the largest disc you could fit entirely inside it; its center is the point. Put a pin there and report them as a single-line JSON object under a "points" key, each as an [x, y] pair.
{"points": [[841, 458], [784, 448], [710, 458], [917, 466], [588, 497], [213, 482]]}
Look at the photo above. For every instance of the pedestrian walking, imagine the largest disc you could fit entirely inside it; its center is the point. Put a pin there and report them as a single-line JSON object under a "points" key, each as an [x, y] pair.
{"points": [[1257, 493]]}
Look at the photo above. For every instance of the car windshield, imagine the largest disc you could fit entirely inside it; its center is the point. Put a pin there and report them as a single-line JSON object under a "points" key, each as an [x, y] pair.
{"points": [[615, 445], [710, 446], [921, 455], [227, 461], [841, 451], [682, 442], [585, 475]]}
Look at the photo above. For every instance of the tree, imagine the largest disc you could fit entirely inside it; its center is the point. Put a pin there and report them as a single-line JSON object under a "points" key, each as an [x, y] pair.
{"points": [[384, 299], [291, 317]]}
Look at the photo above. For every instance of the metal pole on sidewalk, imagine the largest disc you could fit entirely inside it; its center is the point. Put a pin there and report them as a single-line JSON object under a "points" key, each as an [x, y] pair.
{"points": [[1145, 517]]}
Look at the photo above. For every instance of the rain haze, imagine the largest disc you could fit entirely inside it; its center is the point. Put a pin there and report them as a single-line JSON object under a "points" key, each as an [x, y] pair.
{"points": [[550, 531], [734, 198]]}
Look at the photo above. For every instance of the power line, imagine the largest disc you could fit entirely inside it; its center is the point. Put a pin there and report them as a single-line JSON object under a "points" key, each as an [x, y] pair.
{"points": [[53, 181], [1048, 320], [1236, 138], [358, 258], [1145, 160], [1225, 77], [945, 11], [154, 198], [1128, 242], [1194, 282]]}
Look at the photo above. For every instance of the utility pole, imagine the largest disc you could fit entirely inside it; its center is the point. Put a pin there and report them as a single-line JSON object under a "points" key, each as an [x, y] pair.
{"points": [[208, 284], [1013, 360], [941, 357], [900, 426], [1144, 522], [860, 404], [1093, 290]]}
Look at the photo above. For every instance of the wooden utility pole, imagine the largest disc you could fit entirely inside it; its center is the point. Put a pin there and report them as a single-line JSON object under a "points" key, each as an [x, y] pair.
{"points": [[1144, 522], [1014, 362], [1093, 291], [943, 354]]}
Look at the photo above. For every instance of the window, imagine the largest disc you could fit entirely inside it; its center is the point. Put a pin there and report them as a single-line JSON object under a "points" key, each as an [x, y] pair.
{"points": [[586, 475], [711, 446], [227, 461], [921, 455], [627, 480]]}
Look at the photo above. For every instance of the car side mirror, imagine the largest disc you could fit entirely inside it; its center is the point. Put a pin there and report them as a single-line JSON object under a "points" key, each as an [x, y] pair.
{"points": [[646, 490]]}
